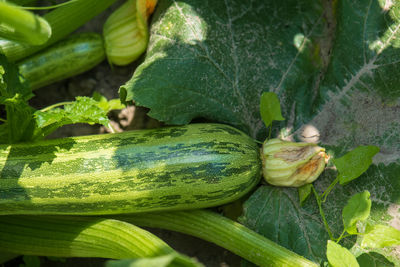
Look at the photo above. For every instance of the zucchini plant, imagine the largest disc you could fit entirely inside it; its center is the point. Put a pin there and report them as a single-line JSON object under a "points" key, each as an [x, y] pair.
{"points": [[334, 68]]}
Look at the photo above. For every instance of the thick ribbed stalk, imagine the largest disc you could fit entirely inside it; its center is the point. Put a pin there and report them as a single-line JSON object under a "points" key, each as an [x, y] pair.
{"points": [[223, 232], [22, 25], [77, 237], [63, 21]]}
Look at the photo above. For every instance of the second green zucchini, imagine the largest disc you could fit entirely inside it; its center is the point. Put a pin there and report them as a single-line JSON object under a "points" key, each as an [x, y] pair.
{"points": [[65, 59]]}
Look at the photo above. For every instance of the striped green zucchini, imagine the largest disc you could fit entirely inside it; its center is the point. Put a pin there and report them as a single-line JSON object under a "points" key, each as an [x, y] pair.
{"points": [[65, 59], [173, 168]]}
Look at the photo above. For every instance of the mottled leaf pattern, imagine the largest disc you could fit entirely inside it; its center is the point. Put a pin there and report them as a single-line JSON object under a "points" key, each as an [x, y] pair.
{"points": [[214, 59]]}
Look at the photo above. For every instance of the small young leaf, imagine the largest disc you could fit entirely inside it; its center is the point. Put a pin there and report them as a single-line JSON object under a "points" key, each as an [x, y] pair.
{"points": [[357, 209], [270, 108], [114, 104], [380, 236], [339, 256], [304, 192], [374, 259], [354, 163], [44, 119], [107, 105], [83, 110]]}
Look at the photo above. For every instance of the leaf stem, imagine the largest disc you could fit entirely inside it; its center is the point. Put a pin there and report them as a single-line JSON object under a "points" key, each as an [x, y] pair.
{"points": [[270, 131], [224, 232], [56, 105], [321, 211], [329, 189], [341, 236]]}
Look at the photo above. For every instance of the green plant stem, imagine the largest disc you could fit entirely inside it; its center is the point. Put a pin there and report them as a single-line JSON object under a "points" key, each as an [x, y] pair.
{"points": [[321, 211], [56, 105], [269, 132], [341, 236], [224, 232], [63, 21], [329, 189]]}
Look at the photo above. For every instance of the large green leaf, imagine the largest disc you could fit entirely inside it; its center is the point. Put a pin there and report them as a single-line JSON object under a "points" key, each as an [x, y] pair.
{"points": [[213, 59], [358, 104]]}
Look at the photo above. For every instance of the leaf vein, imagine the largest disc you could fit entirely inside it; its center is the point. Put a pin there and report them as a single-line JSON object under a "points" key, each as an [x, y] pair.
{"points": [[202, 46], [286, 73]]}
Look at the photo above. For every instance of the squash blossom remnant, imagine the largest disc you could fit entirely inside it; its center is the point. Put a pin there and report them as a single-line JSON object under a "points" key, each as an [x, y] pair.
{"points": [[292, 164], [126, 32]]}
